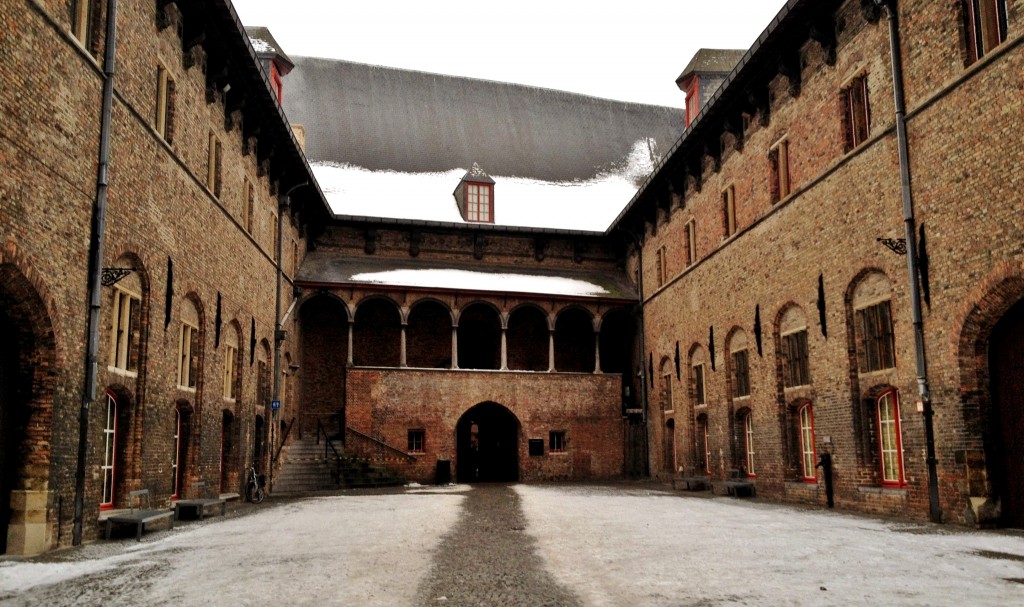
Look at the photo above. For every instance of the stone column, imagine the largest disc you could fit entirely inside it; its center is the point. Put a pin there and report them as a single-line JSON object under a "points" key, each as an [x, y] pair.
{"points": [[597, 353], [402, 355], [455, 347], [551, 351], [504, 350], [351, 328]]}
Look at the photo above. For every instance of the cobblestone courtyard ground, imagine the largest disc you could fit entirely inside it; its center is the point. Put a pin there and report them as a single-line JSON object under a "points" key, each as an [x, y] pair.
{"points": [[530, 545]]}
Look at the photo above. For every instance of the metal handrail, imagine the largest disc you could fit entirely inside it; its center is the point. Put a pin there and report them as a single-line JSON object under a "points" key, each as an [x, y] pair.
{"points": [[329, 444], [379, 443], [284, 439]]}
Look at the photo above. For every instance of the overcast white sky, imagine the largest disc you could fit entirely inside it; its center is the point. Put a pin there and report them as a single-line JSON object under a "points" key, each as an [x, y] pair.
{"points": [[631, 50]]}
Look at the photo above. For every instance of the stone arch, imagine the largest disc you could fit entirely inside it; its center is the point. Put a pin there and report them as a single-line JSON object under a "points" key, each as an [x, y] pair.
{"points": [[487, 444], [479, 336], [29, 360], [527, 338], [324, 355], [574, 340], [377, 332], [989, 360], [429, 334], [618, 334]]}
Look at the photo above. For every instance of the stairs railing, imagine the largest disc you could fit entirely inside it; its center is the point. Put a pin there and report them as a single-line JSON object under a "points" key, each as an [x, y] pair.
{"points": [[374, 449], [329, 446], [284, 439]]}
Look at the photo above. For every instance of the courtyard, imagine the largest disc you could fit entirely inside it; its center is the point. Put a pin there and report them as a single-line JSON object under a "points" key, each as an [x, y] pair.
{"points": [[635, 544]]}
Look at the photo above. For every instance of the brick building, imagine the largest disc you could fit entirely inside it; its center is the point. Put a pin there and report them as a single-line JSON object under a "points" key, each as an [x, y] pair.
{"points": [[199, 156], [780, 326]]}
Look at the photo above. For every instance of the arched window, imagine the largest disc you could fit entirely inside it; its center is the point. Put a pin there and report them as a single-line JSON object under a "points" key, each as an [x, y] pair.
{"points": [[125, 321], [748, 442], [890, 439], [109, 453], [807, 454]]}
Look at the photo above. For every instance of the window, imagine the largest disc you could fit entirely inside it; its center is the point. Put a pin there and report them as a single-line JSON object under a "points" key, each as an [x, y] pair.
{"points": [[703, 447], [795, 364], [124, 331], [248, 206], [748, 434], [295, 258], [164, 119], [666, 392], [692, 101], [109, 451], [729, 210], [778, 159], [856, 114], [478, 202], [984, 26], [213, 173], [660, 263], [698, 383], [188, 351], [890, 441], [416, 440], [875, 341], [262, 382], [741, 373], [807, 454], [556, 441], [230, 355], [276, 84], [176, 455], [691, 242], [83, 22]]}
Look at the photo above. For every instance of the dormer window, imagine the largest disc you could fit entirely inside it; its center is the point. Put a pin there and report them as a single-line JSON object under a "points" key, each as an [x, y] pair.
{"points": [[475, 196]]}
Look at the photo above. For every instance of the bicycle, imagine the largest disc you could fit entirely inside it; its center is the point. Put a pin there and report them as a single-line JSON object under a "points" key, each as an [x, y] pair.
{"points": [[255, 487]]}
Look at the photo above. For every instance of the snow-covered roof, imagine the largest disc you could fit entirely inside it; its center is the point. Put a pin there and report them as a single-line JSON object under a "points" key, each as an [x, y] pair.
{"points": [[394, 143], [327, 268], [586, 204], [267, 47]]}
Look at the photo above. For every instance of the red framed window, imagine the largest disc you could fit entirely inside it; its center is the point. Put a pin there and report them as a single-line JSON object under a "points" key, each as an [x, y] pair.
{"points": [[890, 439], [748, 435], [692, 101], [107, 470], [479, 202], [704, 447], [276, 84], [176, 455], [984, 26], [857, 115], [807, 452]]}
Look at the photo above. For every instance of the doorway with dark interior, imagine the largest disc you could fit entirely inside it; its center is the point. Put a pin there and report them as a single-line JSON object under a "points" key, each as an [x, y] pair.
{"points": [[487, 436]]}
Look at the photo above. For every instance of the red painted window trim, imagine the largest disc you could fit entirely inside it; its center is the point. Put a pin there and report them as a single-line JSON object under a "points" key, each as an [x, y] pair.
{"points": [[809, 476], [113, 457], [276, 83], [692, 100], [901, 474]]}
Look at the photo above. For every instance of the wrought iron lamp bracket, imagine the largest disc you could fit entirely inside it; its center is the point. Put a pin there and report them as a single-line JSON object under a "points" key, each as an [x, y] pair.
{"points": [[111, 276], [896, 245]]}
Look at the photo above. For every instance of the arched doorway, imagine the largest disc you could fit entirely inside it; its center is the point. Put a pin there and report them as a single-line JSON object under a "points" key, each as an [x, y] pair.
{"points": [[487, 436], [1006, 368], [228, 469]]}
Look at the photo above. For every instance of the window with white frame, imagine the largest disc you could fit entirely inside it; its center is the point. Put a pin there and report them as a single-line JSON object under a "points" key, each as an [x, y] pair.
{"points": [[176, 454], [556, 441], [890, 439], [417, 439], [807, 451], [107, 469], [125, 328], [748, 434]]}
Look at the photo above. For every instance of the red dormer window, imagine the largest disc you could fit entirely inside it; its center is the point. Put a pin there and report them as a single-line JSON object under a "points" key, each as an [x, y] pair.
{"points": [[275, 82], [479, 202], [692, 100]]}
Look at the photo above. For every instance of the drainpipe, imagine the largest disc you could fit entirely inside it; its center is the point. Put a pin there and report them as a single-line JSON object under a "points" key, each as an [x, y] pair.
{"points": [[924, 395], [279, 333], [99, 222]]}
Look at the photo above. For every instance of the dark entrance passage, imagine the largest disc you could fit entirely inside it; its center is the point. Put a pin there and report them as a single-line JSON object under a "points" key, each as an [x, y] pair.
{"points": [[1006, 364], [12, 421], [488, 445]]}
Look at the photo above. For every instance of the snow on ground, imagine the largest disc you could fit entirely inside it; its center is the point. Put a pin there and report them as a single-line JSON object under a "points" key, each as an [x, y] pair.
{"points": [[483, 281], [586, 204], [325, 551], [615, 547]]}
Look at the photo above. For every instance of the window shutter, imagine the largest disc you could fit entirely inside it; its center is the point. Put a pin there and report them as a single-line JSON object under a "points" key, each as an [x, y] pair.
{"points": [[847, 122], [170, 110], [888, 338], [193, 363], [134, 333]]}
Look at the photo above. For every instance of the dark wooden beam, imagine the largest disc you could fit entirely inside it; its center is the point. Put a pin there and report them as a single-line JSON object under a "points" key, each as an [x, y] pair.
{"points": [[823, 31], [734, 126], [789, 66], [759, 102]]}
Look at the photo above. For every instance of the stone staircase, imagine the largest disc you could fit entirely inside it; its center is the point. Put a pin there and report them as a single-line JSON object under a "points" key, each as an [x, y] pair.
{"points": [[304, 469]]}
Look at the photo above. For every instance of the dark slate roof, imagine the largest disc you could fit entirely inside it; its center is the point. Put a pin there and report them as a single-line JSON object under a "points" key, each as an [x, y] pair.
{"points": [[269, 47], [713, 61], [477, 174], [384, 118], [322, 268]]}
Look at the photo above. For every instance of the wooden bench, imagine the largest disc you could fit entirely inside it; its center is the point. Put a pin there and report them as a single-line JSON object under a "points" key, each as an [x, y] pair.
{"points": [[197, 504], [140, 516], [691, 482], [738, 486]]}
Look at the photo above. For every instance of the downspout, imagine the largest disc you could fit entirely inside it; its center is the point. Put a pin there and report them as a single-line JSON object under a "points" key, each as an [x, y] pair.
{"points": [[99, 222], [924, 395], [279, 334]]}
